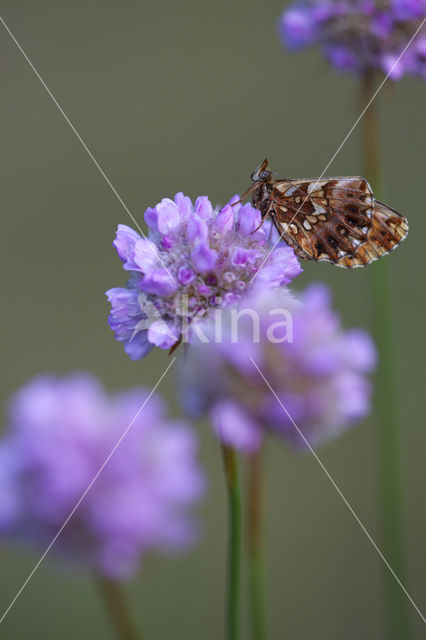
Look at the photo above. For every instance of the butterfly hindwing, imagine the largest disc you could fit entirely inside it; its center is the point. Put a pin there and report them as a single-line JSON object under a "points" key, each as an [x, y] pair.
{"points": [[388, 229]]}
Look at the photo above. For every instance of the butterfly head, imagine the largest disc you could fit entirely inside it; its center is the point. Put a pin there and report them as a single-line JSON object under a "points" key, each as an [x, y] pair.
{"points": [[262, 173]]}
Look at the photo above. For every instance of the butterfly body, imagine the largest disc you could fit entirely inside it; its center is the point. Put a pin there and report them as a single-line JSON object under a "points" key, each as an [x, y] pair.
{"points": [[335, 219]]}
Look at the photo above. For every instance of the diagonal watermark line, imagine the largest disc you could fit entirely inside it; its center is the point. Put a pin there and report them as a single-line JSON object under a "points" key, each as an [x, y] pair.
{"points": [[101, 468], [345, 139], [83, 144], [339, 492]]}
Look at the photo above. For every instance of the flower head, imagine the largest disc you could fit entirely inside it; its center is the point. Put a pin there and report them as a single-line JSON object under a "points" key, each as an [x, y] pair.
{"points": [[197, 259], [362, 35], [317, 370], [61, 432]]}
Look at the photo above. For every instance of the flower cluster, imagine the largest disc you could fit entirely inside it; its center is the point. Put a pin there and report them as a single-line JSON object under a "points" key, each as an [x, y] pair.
{"points": [[61, 432], [361, 35], [316, 369], [196, 259]]}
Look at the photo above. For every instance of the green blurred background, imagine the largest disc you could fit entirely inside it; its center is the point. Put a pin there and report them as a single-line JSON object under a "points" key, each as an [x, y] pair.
{"points": [[191, 96]]}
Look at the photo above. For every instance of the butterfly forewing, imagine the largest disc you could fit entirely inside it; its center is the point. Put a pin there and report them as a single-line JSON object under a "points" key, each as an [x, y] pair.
{"points": [[323, 219]]}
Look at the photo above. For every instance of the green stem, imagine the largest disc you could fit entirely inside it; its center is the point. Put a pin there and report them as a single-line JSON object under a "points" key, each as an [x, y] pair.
{"points": [[387, 428], [257, 599], [234, 549], [113, 596]]}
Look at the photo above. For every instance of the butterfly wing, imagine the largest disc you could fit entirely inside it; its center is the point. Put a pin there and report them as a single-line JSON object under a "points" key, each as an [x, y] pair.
{"points": [[388, 229], [323, 219]]}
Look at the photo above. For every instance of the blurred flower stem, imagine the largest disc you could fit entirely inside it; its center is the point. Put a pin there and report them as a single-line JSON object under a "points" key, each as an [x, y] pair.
{"points": [[115, 602], [386, 406], [255, 535], [234, 551]]}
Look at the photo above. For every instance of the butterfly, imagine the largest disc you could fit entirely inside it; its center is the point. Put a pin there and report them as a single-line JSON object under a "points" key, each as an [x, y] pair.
{"points": [[335, 220]]}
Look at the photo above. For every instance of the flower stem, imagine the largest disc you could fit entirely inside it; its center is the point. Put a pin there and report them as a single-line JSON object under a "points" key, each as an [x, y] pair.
{"points": [[257, 599], [234, 549], [113, 596], [387, 428]]}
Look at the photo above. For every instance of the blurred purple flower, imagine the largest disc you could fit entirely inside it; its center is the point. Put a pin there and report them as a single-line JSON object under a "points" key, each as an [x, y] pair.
{"points": [[409, 9], [60, 433], [359, 35], [298, 27], [197, 259], [317, 369]]}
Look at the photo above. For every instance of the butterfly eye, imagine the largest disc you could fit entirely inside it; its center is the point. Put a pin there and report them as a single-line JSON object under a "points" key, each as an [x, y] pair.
{"points": [[264, 174]]}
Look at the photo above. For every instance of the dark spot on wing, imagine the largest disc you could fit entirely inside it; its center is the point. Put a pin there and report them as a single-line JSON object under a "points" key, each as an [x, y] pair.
{"points": [[332, 242], [351, 208]]}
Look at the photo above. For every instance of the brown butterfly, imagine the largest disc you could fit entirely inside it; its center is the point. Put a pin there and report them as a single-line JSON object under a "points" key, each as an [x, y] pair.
{"points": [[332, 219]]}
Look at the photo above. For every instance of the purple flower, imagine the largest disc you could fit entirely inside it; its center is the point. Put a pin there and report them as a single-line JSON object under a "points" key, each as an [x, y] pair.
{"points": [[298, 27], [341, 57], [359, 36], [409, 9], [317, 370], [61, 431], [196, 259]]}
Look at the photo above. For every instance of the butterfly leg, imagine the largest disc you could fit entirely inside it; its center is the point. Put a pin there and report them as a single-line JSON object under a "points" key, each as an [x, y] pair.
{"points": [[261, 225], [270, 233], [245, 194], [174, 346], [264, 216]]}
